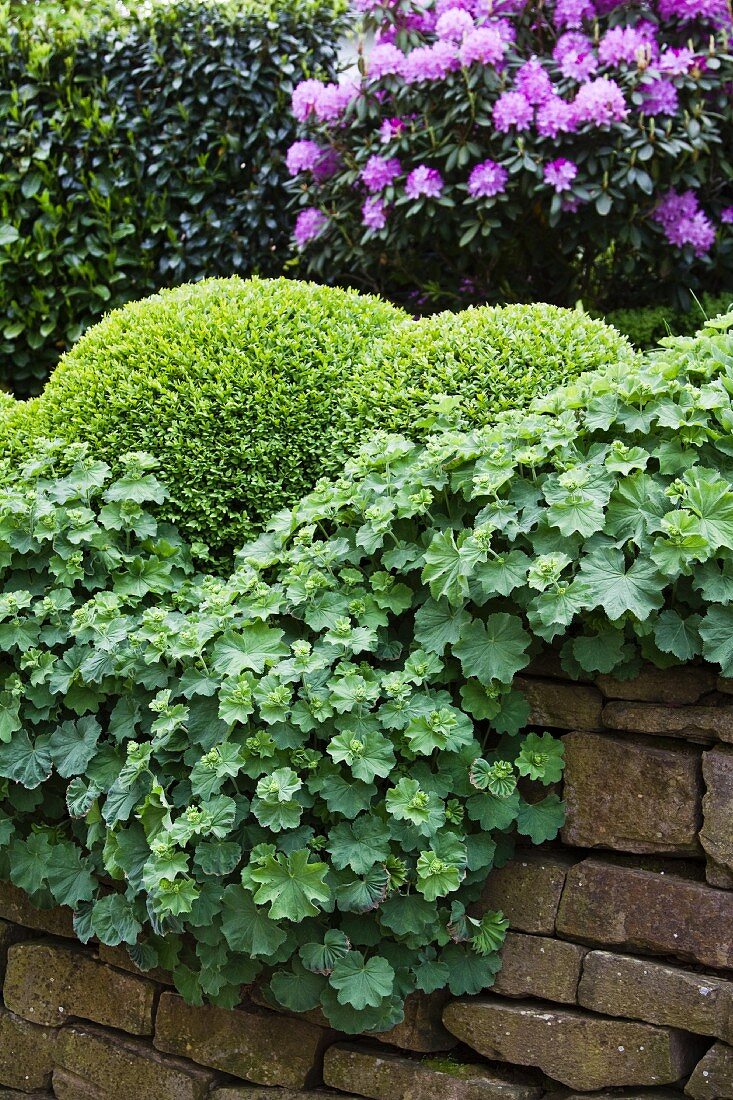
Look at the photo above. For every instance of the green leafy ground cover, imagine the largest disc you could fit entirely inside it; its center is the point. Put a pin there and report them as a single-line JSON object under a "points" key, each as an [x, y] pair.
{"points": [[303, 773]]}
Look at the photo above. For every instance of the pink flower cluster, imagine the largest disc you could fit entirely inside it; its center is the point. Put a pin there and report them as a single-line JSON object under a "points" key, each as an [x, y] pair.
{"points": [[684, 223], [588, 74]]}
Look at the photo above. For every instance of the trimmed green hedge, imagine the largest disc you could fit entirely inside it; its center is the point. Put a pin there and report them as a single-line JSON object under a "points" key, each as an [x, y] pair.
{"points": [[247, 393], [239, 389], [142, 152], [492, 357]]}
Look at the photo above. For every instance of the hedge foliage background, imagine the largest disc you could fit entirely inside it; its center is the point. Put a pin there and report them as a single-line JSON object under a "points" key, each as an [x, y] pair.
{"points": [[142, 152]]}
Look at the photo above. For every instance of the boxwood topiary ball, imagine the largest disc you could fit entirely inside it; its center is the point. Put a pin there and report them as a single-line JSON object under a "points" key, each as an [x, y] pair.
{"points": [[248, 392], [493, 357], [236, 387]]}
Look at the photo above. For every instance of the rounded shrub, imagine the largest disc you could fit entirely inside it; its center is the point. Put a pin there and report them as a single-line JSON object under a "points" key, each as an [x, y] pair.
{"points": [[237, 388], [491, 357], [248, 393]]}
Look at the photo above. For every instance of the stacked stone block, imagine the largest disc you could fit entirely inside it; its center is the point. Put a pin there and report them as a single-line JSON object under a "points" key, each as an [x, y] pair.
{"points": [[617, 977]]}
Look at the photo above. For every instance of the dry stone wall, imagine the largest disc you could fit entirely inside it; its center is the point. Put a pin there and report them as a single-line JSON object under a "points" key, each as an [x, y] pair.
{"points": [[617, 976]]}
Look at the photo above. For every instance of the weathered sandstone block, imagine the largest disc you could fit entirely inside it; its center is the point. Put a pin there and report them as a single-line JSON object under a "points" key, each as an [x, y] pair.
{"points": [[48, 984], [576, 1048], [15, 906], [386, 1076], [114, 1067], [717, 830], [701, 724], [261, 1047], [632, 795], [676, 686], [537, 966], [528, 890], [422, 1029], [564, 706], [614, 905], [619, 985], [26, 1053], [256, 1092], [712, 1078]]}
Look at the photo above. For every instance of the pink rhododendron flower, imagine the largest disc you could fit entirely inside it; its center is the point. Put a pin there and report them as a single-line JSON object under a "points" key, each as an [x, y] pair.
{"points": [[384, 59], [676, 62], [444, 6], [684, 223], [305, 97], [726, 215], [716, 12], [308, 225], [575, 56], [302, 156], [533, 82], [627, 44], [424, 181], [487, 179], [485, 45], [512, 109], [380, 172], [660, 98], [430, 62], [600, 102], [570, 14], [560, 174], [453, 24], [555, 116], [391, 128], [374, 213]]}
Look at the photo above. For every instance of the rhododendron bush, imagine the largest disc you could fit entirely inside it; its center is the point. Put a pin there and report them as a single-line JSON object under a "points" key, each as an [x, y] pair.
{"points": [[494, 149]]}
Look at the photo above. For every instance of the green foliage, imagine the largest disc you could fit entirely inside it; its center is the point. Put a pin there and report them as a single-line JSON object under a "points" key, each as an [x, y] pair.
{"points": [[247, 393], [492, 357], [302, 775], [645, 327], [142, 150], [240, 390]]}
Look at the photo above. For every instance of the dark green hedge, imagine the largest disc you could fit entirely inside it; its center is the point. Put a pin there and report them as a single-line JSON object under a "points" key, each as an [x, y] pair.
{"points": [[142, 153], [645, 327]]}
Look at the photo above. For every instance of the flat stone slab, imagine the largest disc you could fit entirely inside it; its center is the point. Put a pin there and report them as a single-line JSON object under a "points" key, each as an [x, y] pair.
{"points": [[27, 1053], [386, 1076], [537, 966], [422, 1029], [48, 983], [649, 799], [114, 1067], [701, 724], [563, 706], [712, 1078], [527, 890], [576, 1048], [262, 1047], [257, 1092], [664, 913], [717, 829], [15, 906], [620, 985], [678, 686]]}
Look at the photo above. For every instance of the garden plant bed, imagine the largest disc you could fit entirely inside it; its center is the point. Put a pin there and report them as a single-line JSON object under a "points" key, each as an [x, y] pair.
{"points": [[617, 971]]}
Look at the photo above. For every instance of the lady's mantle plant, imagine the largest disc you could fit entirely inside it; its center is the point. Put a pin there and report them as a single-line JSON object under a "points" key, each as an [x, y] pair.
{"points": [[520, 151], [303, 775]]}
